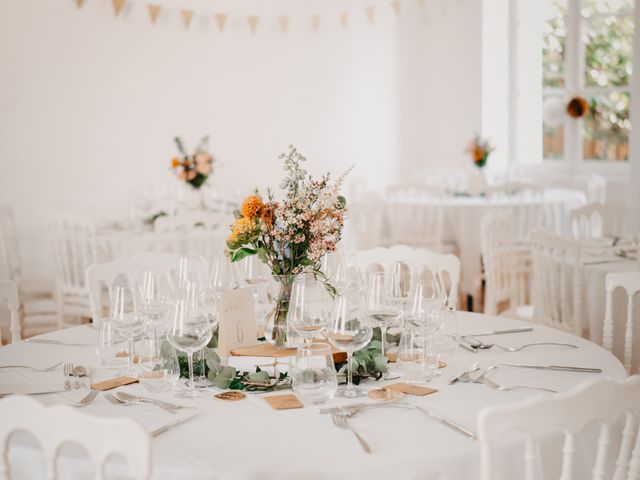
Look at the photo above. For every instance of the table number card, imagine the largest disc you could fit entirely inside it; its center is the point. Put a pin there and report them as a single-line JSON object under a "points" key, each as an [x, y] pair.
{"points": [[237, 326]]}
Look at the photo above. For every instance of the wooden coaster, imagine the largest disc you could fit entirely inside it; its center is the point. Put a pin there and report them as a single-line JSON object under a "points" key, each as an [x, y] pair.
{"points": [[411, 389], [232, 396], [384, 395], [113, 383], [284, 402]]}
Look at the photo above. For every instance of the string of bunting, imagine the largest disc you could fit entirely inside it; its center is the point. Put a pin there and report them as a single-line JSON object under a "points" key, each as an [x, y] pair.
{"points": [[221, 19]]}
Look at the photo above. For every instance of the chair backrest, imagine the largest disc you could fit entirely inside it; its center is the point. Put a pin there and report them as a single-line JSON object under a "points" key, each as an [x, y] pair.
{"points": [[61, 424], [507, 262], [416, 218], [588, 221], [596, 188], [557, 281], [74, 248], [105, 274], [630, 282], [387, 257], [602, 401], [9, 294], [10, 267], [524, 202], [192, 219]]}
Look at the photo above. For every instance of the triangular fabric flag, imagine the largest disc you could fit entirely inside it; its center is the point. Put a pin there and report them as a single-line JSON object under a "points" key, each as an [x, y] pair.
{"points": [[187, 15], [117, 6], [79, 3], [253, 22], [344, 19], [283, 20], [154, 11], [370, 11], [315, 22], [397, 6], [221, 20]]}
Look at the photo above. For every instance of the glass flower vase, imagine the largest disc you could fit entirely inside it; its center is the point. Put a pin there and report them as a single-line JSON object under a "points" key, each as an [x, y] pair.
{"points": [[276, 330]]}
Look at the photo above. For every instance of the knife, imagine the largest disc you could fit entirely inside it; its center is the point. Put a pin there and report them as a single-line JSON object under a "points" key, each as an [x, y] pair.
{"points": [[472, 368], [160, 430], [447, 423], [563, 368], [57, 342], [500, 332], [2, 395]]}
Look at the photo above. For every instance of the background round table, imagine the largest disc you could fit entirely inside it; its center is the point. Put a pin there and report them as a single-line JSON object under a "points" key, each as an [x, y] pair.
{"points": [[249, 440]]}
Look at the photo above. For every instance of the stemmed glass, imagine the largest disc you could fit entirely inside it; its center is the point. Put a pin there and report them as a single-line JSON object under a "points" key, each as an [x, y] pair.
{"points": [[309, 307], [426, 297], [126, 319], [400, 289], [156, 295], [349, 331], [191, 269], [378, 306], [190, 329], [225, 275]]}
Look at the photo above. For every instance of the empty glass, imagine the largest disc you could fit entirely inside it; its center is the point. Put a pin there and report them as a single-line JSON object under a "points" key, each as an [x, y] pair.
{"points": [[225, 275], [349, 331], [159, 368], [313, 374], [189, 330], [426, 295], [400, 289], [191, 269], [378, 306], [309, 307], [126, 319], [113, 348], [156, 295], [418, 354]]}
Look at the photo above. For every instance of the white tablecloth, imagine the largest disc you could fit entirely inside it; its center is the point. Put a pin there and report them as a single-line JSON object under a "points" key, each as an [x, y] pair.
{"points": [[249, 440]]}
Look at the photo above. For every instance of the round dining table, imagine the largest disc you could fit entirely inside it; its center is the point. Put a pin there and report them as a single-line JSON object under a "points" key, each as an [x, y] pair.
{"points": [[247, 439]]}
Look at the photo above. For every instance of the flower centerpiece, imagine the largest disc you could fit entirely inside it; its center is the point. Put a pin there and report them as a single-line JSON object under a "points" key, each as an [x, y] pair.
{"points": [[480, 149], [290, 235], [193, 168]]}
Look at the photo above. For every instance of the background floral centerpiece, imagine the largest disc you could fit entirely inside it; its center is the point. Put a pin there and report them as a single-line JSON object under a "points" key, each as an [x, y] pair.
{"points": [[193, 168], [480, 149], [290, 235]]}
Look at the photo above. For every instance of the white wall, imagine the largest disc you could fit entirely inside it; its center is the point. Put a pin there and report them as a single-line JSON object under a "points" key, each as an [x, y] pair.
{"points": [[89, 103], [634, 154]]}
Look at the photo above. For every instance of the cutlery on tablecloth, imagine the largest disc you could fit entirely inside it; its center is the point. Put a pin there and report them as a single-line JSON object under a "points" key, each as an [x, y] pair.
{"points": [[500, 332], [340, 421], [57, 342], [2, 395], [467, 347], [67, 371], [116, 399], [128, 396], [351, 410], [562, 368], [448, 423], [179, 421], [48, 369], [88, 399], [466, 373], [517, 349], [505, 388]]}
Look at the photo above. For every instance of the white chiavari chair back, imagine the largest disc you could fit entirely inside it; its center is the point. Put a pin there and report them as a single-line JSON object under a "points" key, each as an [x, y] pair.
{"points": [[630, 282], [507, 263], [54, 426], [588, 221], [386, 258], [9, 294], [10, 268], [603, 402], [524, 202], [104, 275], [557, 281]]}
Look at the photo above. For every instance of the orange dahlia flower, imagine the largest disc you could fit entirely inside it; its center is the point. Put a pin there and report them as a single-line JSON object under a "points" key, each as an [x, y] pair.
{"points": [[251, 206]]}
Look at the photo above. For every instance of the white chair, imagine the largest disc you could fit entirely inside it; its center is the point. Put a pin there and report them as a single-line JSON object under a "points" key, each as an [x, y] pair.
{"points": [[557, 281], [74, 248], [387, 257], [630, 282], [524, 202], [589, 221], [101, 275], [602, 402], [188, 220], [596, 189], [507, 267], [9, 294], [60, 424]]}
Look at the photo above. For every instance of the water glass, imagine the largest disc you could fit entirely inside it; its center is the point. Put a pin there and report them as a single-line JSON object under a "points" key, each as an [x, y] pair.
{"points": [[113, 348], [378, 306], [313, 374], [418, 355], [126, 319], [191, 269], [159, 368], [309, 307]]}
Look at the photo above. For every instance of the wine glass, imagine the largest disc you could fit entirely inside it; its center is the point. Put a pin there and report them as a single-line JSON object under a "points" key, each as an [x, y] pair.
{"points": [[225, 274], [378, 306], [426, 296], [125, 318], [309, 307], [313, 375], [401, 281], [190, 329], [156, 295], [191, 269], [349, 331]]}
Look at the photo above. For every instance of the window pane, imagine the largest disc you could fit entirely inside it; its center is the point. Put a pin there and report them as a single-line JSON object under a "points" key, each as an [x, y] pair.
{"points": [[554, 34], [606, 127], [553, 128], [595, 7], [608, 45]]}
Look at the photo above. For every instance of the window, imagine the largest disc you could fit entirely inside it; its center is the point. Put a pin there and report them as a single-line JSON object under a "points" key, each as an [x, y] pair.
{"points": [[586, 52]]}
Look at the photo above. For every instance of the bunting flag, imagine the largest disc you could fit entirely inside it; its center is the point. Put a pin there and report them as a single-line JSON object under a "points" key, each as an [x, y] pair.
{"points": [[252, 20], [117, 6], [344, 18], [187, 16], [221, 20], [397, 6], [283, 20], [79, 3], [315, 22], [154, 11], [370, 12]]}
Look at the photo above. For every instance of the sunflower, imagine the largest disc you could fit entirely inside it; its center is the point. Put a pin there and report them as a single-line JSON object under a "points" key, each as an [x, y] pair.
{"points": [[251, 206]]}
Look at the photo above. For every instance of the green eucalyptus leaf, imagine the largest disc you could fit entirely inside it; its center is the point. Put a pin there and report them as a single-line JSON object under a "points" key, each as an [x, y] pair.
{"points": [[380, 363], [259, 377]]}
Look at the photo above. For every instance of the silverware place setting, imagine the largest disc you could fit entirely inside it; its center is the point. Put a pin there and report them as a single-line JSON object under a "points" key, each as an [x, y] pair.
{"points": [[117, 398], [341, 421], [482, 378], [87, 399], [41, 370]]}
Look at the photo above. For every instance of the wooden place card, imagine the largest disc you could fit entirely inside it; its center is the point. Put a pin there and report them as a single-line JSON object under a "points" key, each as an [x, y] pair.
{"points": [[237, 320], [284, 402], [113, 383], [269, 350], [411, 389]]}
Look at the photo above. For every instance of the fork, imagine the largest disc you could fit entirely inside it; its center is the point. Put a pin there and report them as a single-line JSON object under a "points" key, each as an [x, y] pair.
{"points": [[505, 388], [340, 421], [67, 371], [123, 401], [90, 397], [133, 398], [475, 343], [517, 349], [48, 369]]}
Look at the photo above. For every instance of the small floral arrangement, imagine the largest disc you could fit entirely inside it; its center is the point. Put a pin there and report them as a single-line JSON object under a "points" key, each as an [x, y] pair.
{"points": [[480, 149], [193, 168]]}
